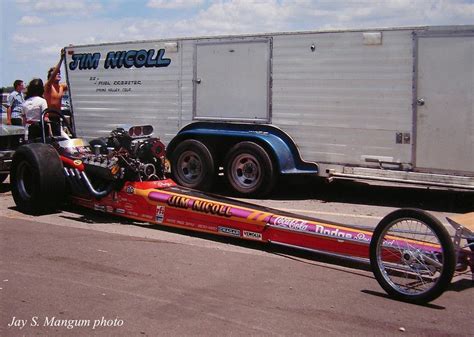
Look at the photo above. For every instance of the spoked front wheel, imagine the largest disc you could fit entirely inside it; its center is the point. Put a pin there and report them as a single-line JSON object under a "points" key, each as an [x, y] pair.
{"points": [[412, 256]]}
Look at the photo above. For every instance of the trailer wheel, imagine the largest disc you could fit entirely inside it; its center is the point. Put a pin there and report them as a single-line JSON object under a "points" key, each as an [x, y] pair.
{"points": [[3, 177], [250, 170], [37, 179], [192, 165], [412, 256]]}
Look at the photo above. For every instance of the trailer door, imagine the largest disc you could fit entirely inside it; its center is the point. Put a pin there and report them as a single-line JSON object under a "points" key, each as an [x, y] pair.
{"points": [[445, 103], [232, 80]]}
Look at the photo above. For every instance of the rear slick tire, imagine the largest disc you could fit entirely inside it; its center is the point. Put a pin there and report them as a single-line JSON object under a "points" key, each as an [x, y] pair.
{"points": [[412, 256], [3, 177], [37, 179]]}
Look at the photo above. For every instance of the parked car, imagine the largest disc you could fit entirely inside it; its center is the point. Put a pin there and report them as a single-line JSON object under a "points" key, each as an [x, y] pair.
{"points": [[11, 137]]}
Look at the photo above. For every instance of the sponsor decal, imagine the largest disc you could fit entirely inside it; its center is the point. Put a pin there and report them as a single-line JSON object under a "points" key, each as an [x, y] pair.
{"points": [[179, 202], [229, 231], [119, 211], [282, 221], [206, 227], [150, 58], [212, 208], [160, 214], [252, 235], [77, 162], [366, 238], [98, 207], [130, 189], [304, 226], [199, 206], [332, 232], [109, 209], [362, 237]]}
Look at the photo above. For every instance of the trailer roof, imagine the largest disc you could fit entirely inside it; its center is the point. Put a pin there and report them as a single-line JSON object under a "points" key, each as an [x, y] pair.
{"points": [[452, 28]]}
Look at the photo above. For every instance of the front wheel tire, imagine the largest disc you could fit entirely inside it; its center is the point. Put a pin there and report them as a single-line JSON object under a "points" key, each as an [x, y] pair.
{"points": [[412, 256]]}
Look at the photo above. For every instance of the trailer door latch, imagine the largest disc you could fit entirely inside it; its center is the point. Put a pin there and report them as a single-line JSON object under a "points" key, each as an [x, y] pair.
{"points": [[403, 138]]}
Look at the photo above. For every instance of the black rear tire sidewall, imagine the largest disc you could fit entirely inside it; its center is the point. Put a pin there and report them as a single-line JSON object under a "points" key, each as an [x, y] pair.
{"points": [[47, 180], [203, 153], [267, 176], [449, 256], [3, 177]]}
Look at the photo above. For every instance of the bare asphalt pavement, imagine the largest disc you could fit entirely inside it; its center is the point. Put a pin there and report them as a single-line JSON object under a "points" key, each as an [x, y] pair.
{"points": [[76, 273]]}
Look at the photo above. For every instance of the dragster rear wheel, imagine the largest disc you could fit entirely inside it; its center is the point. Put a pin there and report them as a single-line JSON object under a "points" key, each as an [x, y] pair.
{"points": [[412, 256], [3, 177], [37, 179]]}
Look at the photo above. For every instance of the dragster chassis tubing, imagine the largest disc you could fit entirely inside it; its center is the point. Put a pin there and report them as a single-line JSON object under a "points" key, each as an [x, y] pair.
{"points": [[164, 203]]}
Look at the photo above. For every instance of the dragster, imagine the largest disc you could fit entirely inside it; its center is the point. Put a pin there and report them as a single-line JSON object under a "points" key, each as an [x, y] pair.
{"points": [[412, 255]]}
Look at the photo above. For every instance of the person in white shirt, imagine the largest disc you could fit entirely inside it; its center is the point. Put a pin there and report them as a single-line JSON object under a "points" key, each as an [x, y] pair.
{"points": [[33, 106]]}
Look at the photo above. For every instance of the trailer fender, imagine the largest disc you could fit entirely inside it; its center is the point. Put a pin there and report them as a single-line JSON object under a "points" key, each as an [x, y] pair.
{"points": [[279, 145]]}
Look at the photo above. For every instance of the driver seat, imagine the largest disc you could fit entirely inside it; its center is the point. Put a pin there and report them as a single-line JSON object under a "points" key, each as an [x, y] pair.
{"points": [[55, 129]]}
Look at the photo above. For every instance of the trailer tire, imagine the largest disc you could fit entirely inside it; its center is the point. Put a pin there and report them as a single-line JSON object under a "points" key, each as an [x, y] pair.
{"points": [[37, 179], [408, 271], [192, 165], [250, 170]]}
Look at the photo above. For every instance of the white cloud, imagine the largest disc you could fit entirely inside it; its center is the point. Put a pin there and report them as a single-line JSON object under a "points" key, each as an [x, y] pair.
{"points": [[246, 16], [174, 4], [31, 20], [22, 39], [51, 50], [236, 17], [61, 7], [87, 25]]}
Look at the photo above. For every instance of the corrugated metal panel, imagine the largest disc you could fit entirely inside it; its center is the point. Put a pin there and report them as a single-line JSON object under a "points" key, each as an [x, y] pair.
{"points": [[344, 100], [187, 89], [335, 102]]}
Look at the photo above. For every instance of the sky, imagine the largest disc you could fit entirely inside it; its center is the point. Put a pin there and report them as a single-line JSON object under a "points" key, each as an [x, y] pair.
{"points": [[34, 31]]}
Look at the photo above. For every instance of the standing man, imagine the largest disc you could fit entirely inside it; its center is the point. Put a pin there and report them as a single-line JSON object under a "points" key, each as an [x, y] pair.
{"points": [[53, 90], [14, 102]]}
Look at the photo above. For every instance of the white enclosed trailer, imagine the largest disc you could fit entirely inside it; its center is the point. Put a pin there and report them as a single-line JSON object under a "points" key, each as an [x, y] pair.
{"points": [[384, 104]]}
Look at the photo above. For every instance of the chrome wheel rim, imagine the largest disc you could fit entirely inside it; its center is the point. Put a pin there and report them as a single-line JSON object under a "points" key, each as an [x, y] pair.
{"points": [[246, 171], [190, 166], [410, 257]]}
